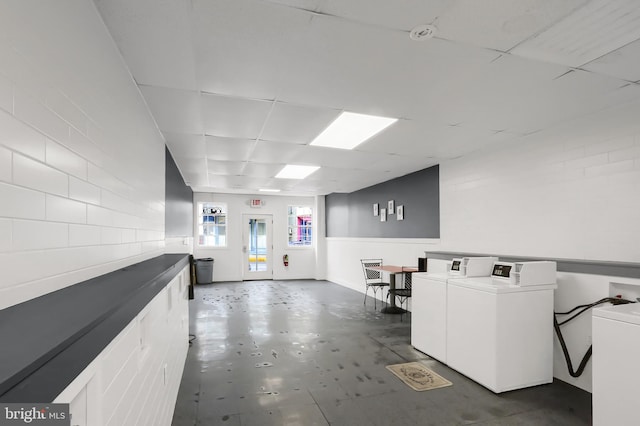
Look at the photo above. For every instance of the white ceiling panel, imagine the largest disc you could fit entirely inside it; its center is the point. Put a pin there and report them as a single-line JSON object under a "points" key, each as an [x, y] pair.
{"points": [[242, 47], [623, 63], [500, 24], [296, 123], [185, 146], [398, 14], [195, 179], [228, 149], [234, 117], [333, 157], [148, 32], [275, 152], [374, 71], [261, 170], [592, 31], [175, 111], [232, 168], [191, 165]]}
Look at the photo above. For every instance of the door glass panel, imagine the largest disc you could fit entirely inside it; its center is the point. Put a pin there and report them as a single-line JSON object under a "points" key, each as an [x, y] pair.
{"points": [[257, 245]]}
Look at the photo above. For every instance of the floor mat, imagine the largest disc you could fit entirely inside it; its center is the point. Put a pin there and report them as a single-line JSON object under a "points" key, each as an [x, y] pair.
{"points": [[418, 377]]}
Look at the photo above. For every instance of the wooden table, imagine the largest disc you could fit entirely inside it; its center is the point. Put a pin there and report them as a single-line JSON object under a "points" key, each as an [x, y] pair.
{"points": [[392, 270]]}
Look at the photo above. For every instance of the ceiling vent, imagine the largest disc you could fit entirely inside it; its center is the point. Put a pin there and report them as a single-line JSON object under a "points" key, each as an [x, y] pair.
{"points": [[422, 32]]}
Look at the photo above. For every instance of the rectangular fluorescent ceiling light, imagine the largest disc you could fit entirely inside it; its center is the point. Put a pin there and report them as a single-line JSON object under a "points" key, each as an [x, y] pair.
{"points": [[350, 130], [268, 190], [296, 172]]}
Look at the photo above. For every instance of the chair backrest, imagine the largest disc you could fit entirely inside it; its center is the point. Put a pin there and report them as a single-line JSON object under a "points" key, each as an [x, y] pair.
{"points": [[407, 276], [371, 275]]}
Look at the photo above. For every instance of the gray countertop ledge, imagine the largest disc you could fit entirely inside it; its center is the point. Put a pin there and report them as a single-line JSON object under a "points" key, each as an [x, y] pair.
{"points": [[49, 340]]}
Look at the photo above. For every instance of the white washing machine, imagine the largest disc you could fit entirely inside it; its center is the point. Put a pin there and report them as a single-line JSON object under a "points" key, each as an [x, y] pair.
{"points": [[429, 303], [616, 352], [500, 328]]}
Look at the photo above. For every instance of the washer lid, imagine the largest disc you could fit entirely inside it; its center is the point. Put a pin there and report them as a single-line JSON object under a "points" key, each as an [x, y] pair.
{"points": [[489, 285], [627, 313]]}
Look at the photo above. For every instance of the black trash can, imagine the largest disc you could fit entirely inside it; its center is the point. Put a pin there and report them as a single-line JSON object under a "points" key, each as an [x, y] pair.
{"points": [[204, 270]]}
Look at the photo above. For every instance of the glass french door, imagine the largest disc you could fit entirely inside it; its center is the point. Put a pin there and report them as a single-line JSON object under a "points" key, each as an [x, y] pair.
{"points": [[257, 248]]}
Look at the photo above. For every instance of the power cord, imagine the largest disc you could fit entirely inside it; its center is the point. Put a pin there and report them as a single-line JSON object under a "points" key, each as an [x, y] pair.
{"points": [[583, 309], [192, 337]]}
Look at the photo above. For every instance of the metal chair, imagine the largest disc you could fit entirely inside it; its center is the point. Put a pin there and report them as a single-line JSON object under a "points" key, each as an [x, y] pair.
{"points": [[402, 294], [373, 278]]}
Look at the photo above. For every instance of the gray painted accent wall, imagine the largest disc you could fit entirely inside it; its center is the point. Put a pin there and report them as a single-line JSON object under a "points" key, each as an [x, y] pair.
{"points": [[178, 209], [351, 215]]}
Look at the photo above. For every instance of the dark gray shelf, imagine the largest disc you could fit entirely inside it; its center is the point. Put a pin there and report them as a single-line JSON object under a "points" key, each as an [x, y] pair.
{"points": [[49, 340]]}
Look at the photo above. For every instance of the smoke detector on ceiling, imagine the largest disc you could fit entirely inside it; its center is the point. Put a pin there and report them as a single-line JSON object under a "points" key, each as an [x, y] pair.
{"points": [[422, 32]]}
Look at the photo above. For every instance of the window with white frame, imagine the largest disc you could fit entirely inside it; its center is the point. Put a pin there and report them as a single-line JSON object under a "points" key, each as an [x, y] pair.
{"points": [[299, 226], [212, 224]]}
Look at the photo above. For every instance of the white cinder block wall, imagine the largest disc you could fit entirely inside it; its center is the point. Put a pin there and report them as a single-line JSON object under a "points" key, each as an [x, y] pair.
{"points": [[81, 161]]}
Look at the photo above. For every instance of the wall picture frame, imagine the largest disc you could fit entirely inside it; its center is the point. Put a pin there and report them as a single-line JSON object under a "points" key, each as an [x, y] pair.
{"points": [[375, 209], [390, 207], [383, 215], [400, 212]]}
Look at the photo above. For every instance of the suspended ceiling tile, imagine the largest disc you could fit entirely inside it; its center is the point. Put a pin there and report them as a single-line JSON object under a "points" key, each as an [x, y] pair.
{"points": [[260, 170], [186, 146], [194, 179], [225, 167], [234, 117], [242, 47], [623, 63], [371, 70], [592, 31], [296, 123], [175, 111], [333, 157], [154, 39], [228, 149], [500, 24], [399, 14], [191, 165], [275, 152]]}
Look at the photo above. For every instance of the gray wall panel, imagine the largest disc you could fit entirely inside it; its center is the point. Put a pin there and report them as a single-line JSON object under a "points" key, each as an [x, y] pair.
{"points": [[178, 210], [338, 216], [419, 192]]}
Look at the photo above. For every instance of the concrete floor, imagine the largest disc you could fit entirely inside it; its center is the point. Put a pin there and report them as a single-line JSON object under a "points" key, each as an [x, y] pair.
{"points": [[310, 353]]}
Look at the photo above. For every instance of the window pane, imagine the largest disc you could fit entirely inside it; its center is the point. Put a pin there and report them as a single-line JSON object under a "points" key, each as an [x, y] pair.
{"points": [[299, 226], [212, 224]]}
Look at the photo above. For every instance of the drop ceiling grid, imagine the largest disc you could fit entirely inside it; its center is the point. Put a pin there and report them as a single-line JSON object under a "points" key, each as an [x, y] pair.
{"points": [[271, 76]]}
